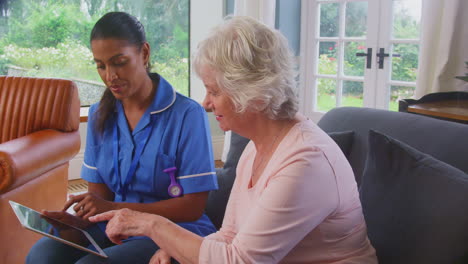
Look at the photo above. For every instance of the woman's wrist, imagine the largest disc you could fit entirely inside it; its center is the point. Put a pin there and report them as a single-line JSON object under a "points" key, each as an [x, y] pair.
{"points": [[154, 224]]}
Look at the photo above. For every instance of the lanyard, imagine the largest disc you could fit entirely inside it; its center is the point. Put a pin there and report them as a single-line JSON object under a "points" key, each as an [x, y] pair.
{"points": [[140, 145]]}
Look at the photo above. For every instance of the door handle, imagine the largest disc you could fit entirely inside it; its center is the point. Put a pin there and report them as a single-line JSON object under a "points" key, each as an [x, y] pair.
{"points": [[368, 55], [381, 55]]}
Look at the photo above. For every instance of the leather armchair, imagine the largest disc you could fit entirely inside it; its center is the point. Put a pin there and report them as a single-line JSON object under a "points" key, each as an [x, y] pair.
{"points": [[39, 120]]}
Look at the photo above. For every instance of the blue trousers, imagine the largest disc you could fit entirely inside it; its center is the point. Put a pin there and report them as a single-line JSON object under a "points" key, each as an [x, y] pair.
{"points": [[50, 251]]}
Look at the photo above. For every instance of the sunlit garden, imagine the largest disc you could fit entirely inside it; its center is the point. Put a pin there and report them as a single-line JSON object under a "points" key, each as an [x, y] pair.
{"points": [[51, 39], [350, 89]]}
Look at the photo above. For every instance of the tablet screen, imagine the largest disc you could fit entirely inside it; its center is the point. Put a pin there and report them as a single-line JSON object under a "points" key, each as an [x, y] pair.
{"points": [[54, 229]]}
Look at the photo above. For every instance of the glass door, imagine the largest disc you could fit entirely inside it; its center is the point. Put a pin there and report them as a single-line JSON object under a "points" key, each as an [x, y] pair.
{"points": [[398, 50], [358, 53], [342, 32]]}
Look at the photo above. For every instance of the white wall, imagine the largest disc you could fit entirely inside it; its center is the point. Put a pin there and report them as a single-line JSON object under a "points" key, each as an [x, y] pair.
{"points": [[75, 164], [204, 15]]}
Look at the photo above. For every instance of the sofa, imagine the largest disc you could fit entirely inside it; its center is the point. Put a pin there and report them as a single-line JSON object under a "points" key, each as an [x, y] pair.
{"points": [[38, 137], [412, 176]]}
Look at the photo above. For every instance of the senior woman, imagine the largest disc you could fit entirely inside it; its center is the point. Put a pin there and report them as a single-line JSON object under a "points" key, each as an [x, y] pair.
{"points": [[294, 199]]}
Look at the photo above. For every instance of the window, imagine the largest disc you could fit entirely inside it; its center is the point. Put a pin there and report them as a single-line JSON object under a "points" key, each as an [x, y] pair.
{"points": [[50, 38], [359, 53]]}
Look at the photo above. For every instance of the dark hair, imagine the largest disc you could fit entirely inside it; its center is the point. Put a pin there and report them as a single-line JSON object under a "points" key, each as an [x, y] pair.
{"points": [[122, 26]]}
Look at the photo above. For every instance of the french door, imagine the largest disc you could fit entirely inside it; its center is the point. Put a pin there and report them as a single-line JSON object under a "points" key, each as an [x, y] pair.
{"points": [[358, 53]]}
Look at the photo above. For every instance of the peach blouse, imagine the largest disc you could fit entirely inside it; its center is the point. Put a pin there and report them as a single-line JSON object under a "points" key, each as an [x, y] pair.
{"points": [[304, 208]]}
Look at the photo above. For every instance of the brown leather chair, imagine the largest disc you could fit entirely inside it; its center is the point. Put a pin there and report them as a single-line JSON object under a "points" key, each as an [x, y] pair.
{"points": [[39, 121]]}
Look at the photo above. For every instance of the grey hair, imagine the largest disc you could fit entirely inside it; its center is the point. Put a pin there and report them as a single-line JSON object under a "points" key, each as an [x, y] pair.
{"points": [[253, 65]]}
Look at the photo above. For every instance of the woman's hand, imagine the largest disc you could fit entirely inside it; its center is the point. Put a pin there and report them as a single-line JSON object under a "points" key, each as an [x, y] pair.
{"points": [[67, 218], [125, 223], [161, 257], [88, 204]]}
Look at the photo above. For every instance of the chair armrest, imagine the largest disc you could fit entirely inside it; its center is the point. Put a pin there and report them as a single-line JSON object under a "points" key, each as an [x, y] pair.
{"points": [[25, 158]]}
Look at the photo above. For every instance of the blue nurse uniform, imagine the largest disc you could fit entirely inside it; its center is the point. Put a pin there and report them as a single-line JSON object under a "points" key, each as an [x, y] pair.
{"points": [[180, 138]]}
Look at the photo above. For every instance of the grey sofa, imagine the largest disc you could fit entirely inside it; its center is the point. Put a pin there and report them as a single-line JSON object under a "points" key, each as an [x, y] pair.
{"points": [[412, 177]]}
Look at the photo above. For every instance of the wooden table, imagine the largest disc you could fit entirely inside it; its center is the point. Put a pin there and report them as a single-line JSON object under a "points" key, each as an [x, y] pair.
{"points": [[454, 110]]}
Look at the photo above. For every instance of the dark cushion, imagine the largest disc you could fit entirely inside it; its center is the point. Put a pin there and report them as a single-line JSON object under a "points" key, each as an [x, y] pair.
{"points": [[441, 139], [217, 200], [414, 205], [344, 140]]}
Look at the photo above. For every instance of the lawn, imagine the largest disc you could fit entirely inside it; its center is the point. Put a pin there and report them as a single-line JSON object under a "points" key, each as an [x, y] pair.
{"points": [[328, 101]]}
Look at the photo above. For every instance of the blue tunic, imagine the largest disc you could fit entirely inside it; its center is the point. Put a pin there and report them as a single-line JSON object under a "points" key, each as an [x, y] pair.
{"points": [[180, 138]]}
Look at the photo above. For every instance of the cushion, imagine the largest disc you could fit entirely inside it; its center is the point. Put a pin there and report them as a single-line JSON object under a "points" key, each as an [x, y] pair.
{"points": [[414, 205], [344, 140]]}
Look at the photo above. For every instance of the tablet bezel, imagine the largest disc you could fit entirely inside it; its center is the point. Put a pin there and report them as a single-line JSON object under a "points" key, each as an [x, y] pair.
{"points": [[22, 220]]}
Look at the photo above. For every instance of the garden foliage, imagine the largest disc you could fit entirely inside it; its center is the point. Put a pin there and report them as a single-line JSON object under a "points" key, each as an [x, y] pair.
{"points": [[50, 38]]}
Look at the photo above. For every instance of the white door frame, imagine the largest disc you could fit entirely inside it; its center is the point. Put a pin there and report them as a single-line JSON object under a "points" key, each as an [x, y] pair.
{"points": [[376, 92]]}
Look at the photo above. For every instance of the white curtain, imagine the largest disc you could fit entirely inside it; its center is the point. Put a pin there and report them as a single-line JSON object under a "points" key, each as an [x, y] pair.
{"points": [[444, 46], [263, 11]]}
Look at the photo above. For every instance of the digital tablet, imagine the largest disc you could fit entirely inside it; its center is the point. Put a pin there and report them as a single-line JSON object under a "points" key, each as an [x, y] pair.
{"points": [[65, 233]]}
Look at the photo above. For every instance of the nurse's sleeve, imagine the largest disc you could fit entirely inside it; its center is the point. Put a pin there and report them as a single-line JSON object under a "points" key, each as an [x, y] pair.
{"points": [[195, 162], [89, 171]]}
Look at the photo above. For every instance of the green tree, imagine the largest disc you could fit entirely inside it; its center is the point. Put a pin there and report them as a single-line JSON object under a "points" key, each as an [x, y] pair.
{"points": [[356, 19], [405, 26], [51, 37], [46, 25]]}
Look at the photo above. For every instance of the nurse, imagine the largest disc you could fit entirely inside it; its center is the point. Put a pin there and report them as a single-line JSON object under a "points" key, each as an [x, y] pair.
{"points": [[148, 149]]}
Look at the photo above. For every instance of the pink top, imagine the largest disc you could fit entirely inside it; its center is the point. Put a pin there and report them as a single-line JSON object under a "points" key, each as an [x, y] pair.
{"points": [[304, 208]]}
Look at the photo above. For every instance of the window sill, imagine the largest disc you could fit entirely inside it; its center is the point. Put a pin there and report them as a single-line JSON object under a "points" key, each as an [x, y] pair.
{"points": [[85, 109], [84, 114]]}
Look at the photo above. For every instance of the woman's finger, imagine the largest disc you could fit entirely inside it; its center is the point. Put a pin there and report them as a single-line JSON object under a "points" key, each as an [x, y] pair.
{"points": [[103, 217], [116, 238], [80, 203], [58, 215], [80, 209], [90, 213], [71, 200], [160, 257], [154, 258]]}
